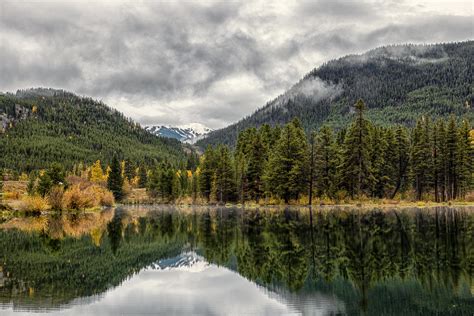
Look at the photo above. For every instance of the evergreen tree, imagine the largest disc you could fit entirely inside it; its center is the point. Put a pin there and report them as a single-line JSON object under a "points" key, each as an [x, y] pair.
{"points": [[241, 179], [465, 163], [129, 170], [311, 167], [326, 161], [355, 169], [166, 182], [44, 184], [439, 160], [192, 161], [245, 140], [49, 178], [57, 174], [421, 158], [266, 136], [402, 159], [31, 186], [115, 180], [451, 159], [207, 173], [176, 186], [195, 185], [256, 162], [341, 137], [286, 170], [390, 168], [378, 161], [154, 183], [225, 185], [143, 177]]}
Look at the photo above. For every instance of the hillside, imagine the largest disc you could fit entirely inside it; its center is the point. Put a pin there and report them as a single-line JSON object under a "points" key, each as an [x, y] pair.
{"points": [[397, 83], [41, 126]]}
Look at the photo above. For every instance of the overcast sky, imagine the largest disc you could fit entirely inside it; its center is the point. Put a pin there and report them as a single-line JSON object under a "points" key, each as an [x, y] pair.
{"points": [[165, 62]]}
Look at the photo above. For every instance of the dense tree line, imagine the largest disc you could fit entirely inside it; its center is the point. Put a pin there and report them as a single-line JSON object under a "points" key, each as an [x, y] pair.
{"points": [[398, 83], [433, 160], [43, 126]]}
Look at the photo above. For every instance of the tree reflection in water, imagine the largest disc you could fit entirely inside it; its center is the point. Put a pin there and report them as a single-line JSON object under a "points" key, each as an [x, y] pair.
{"points": [[392, 261]]}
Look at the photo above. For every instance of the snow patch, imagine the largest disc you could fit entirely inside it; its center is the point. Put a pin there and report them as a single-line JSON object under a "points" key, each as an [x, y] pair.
{"points": [[188, 133]]}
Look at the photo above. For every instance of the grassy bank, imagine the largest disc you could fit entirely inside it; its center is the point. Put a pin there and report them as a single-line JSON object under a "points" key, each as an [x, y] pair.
{"points": [[77, 195], [140, 197], [82, 195]]}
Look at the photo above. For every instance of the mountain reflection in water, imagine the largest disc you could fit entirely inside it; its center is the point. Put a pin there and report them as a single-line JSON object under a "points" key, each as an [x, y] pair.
{"points": [[215, 261]]}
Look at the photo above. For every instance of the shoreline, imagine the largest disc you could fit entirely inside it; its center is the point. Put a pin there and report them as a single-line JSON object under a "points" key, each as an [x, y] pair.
{"points": [[302, 206], [10, 207]]}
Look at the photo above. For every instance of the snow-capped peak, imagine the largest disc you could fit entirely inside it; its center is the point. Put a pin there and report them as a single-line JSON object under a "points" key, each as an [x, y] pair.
{"points": [[188, 261], [188, 133], [197, 128]]}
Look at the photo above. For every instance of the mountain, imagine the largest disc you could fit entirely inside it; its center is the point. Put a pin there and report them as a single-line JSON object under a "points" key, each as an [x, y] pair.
{"points": [[189, 133], [41, 126], [398, 84], [186, 261]]}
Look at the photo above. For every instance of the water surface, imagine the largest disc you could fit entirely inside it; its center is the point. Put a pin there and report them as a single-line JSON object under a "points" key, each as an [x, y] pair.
{"points": [[227, 261]]}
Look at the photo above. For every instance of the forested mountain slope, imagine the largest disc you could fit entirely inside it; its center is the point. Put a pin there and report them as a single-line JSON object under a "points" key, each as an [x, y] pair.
{"points": [[397, 83], [41, 126]]}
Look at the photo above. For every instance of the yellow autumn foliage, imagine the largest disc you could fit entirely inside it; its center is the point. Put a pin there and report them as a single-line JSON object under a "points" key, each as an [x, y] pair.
{"points": [[77, 198], [97, 175], [34, 203]]}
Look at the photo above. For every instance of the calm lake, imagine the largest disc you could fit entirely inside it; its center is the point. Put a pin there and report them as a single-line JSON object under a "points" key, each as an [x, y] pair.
{"points": [[229, 261]]}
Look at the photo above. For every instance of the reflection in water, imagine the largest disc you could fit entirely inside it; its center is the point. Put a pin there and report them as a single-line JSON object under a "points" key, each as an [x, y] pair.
{"points": [[229, 261], [186, 284]]}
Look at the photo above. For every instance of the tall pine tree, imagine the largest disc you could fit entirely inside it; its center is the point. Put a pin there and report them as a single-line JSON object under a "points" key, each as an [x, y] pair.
{"points": [[207, 173], [402, 159], [225, 185], [286, 169], [326, 161], [465, 163], [115, 180], [421, 158], [451, 159], [355, 169], [256, 163], [143, 177]]}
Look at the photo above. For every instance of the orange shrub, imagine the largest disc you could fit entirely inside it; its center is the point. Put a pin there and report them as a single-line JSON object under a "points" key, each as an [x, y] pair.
{"points": [[34, 203], [11, 195], [107, 198], [55, 198], [100, 195], [75, 199]]}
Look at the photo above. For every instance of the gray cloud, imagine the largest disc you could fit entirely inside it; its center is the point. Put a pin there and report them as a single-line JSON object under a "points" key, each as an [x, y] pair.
{"points": [[207, 62], [339, 9]]}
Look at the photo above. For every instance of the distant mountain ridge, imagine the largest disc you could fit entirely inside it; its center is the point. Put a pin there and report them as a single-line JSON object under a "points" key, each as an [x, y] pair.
{"points": [[41, 126], [189, 133], [398, 83]]}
